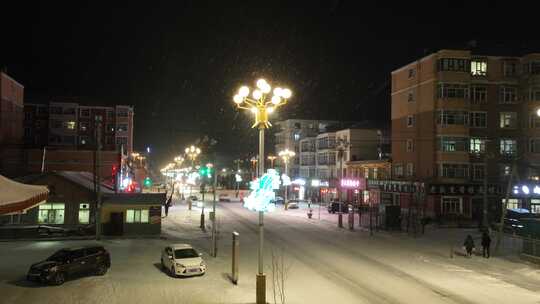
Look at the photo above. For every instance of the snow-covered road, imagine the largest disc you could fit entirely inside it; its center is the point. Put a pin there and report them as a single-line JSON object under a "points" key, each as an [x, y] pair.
{"points": [[326, 265]]}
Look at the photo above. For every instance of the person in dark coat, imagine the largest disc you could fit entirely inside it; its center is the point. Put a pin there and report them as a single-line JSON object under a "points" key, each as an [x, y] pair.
{"points": [[469, 245], [486, 242], [167, 205]]}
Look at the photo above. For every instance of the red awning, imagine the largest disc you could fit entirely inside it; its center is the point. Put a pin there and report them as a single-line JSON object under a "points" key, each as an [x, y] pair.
{"points": [[16, 197]]}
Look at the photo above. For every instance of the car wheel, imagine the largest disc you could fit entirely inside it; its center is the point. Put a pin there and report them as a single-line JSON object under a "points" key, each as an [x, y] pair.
{"points": [[101, 270], [172, 273], [59, 279]]}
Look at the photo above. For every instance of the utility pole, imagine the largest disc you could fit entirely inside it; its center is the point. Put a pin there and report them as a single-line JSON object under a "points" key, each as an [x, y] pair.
{"points": [[98, 177]]}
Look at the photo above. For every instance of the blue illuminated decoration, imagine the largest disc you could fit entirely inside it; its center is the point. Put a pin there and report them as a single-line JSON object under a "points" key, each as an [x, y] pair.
{"points": [[260, 199]]}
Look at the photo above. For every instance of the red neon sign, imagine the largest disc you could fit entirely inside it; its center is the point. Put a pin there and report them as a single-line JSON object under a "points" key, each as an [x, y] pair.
{"points": [[350, 183]]}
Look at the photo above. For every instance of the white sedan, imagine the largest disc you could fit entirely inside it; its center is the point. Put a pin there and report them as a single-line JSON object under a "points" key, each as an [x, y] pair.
{"points": [[182, 260]]}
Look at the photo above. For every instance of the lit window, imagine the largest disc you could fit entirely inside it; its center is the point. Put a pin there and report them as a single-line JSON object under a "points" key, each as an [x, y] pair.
{"points": [[296, 137], [508, 146], [84, 213], [51, 213], [478, 145], [70, 125], [478, 67], [508, 120], [137, 216]]}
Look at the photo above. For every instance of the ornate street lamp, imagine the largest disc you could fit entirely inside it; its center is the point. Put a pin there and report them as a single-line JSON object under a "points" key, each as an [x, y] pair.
{"points": [[261, 104], [271, 158], [286, 155]]}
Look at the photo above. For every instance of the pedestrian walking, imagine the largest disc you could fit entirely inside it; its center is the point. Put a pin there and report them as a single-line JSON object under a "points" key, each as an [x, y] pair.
{"points": [[469, 245], [486, 242], [167, 205]]}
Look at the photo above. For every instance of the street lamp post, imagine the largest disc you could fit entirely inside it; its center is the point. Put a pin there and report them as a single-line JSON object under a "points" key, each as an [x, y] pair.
{"points": [[192, 152], [286, 155], [342, 146], [261, 105]]}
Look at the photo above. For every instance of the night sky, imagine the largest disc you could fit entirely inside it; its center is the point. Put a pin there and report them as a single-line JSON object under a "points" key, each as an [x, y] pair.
{"points": [[180, 62]]}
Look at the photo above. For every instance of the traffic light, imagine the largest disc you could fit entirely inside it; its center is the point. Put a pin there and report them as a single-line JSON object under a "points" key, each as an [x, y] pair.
{"points": [[209, 171], [202, 171], [147, 182]]}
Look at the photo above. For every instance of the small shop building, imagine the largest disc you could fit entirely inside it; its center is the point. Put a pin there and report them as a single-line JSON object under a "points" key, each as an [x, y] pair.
{"points": [[71, 204]]}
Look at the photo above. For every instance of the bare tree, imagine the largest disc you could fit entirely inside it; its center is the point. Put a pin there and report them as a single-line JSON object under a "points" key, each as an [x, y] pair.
{"points": [[280, 272]]}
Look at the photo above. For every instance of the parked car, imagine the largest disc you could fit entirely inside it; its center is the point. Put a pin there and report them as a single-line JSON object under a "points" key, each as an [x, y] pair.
{"points": [[333, 207], [292, 204], [69, 262], [193, 198], [182, 260], [224, 198]]}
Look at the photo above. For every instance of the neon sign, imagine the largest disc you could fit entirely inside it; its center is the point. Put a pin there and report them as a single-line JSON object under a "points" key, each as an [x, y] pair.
{"points": [[350, 183]]}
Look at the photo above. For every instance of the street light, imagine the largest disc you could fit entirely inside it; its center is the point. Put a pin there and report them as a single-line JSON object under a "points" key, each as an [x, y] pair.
{"points": [[286, 155], [254, 160], [192, 152], [261, 105], [272, 158]]}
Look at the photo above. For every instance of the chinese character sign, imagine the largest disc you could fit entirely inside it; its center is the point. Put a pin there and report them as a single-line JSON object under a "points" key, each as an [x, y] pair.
{"points": [[262, 195]]}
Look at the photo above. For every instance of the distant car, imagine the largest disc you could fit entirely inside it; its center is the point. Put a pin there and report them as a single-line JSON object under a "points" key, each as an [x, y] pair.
{"points": [[70, 262], [224, 198], [182, 260], [193, 198], [278, 200], [333, 207], [292, 205]]}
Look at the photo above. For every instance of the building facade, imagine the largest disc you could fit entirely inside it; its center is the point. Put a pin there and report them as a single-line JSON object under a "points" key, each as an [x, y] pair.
{"points": [[11, 118], [459, 117], [70, 126]]}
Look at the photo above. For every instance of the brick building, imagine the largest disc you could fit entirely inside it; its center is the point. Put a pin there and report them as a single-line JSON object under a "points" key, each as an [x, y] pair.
{"points": [[453, 112], [11, 117]]}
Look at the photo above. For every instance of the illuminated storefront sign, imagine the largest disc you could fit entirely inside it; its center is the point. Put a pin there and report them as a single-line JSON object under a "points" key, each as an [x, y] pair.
{"points": [[350, 183]]}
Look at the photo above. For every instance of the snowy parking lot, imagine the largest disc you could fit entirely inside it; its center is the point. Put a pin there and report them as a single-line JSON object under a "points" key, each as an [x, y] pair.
{"points": [[325, 265]]}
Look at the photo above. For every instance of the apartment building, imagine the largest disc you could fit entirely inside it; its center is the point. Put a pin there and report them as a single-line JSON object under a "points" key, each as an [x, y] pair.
{"points": [[289, 134], [71, 126], [458, 117]]}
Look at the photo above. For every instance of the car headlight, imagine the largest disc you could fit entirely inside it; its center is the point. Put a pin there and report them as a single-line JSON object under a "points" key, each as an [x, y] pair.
{"points": [[180, 265], [203, 264]]}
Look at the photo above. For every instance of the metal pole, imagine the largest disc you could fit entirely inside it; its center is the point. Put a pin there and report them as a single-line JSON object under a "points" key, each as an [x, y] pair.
{"points": [[485, 223], [98, 178], [286, 161], [214, 238], [261, 277], [235, 256], [340, 215]]}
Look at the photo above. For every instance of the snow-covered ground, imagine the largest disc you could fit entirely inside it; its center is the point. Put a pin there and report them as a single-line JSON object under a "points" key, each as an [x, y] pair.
{"points": [[326, 265]]}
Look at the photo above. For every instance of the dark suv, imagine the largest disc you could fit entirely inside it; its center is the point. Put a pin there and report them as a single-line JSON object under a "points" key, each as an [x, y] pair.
{"points": [[69, 262], [333, 207]]}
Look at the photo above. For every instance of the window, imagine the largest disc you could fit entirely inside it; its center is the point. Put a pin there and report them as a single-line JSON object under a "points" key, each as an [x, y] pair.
{"points": [[410, 169], [534, 145], [410, 145], [122, 113], [69, 111], [452, 144], [451, 205], [452, 90], [412, 73], [84, 213], [121, 140], [83, 126], [51, 213], [534, 95], [296, 137], [513, 203], [110, 114], [508, 94], [532, 68], [478, 67], [478, 145], [85, 112], [534, 121], [508, 146], [56, 124], [398, 170], [137, 216], [478, 94], [56, 110], [70, 125], [453, 64], [505, 170], [410, 121], [478, 171], [510, 68], [27, 132], [84, 140], [478, 119], [121, 127], [452, 117], [508, 120], [455, 170], [28, 115], [410, 97]]}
